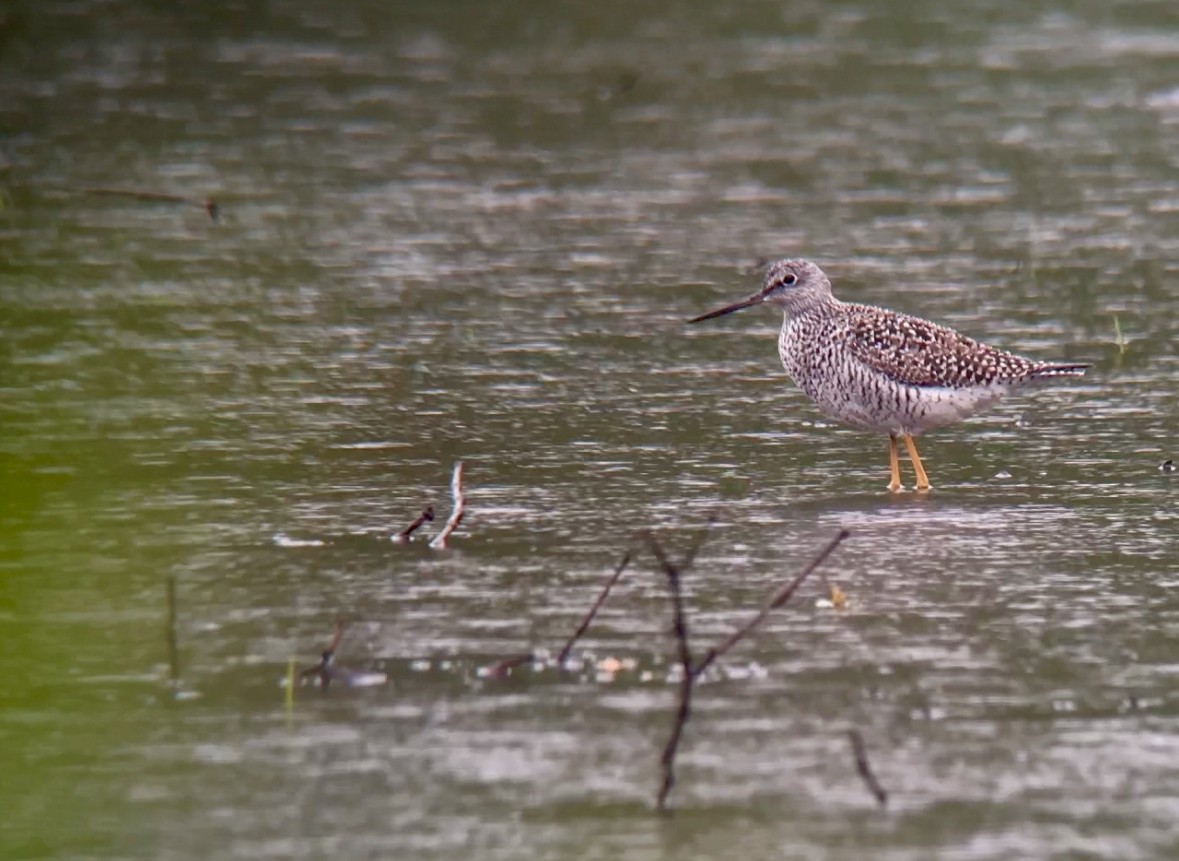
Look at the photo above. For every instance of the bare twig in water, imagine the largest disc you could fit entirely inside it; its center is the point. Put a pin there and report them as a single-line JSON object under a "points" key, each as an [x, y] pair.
{"points": [[170, 633], [402, 537], [864, 768], [689, 558], [501, 669], [207, 204], [780, 597], [593, 611], [687, 678], [460, 506], [337, 634], [324, 668]]}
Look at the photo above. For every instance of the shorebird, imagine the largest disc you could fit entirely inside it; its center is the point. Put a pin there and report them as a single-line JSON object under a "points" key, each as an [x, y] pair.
{"points": [[880, 370]]}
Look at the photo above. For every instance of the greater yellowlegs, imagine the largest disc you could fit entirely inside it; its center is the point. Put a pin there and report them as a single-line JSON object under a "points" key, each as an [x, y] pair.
{"points": [[881, 370]]}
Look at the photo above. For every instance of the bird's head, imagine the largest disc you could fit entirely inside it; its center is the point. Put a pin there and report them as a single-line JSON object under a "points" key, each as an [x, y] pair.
{"points": [[792, 285]]}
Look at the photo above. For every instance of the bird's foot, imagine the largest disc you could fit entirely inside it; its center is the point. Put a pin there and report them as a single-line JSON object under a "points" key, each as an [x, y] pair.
{"points": [[894, 466]]}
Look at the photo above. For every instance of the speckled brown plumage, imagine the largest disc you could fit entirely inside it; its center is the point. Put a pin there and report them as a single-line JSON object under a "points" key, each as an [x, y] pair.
{"points": [[881, 370], [917, 352]]}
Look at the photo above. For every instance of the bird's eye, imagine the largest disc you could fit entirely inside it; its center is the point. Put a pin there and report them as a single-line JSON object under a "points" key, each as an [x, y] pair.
{"points": [[789, 279]]}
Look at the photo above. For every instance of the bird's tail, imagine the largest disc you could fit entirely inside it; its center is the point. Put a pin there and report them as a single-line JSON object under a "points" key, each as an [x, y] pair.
{"points": [[1044, 371]]}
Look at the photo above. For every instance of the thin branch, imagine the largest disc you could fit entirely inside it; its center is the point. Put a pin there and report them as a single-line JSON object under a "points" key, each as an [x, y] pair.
{"points": [[689, 558], [460, 506], [593, 611], [402, 537], [337, 634], [324, 668], [208, 204], [780, 597], [864, 768], [680, 629]]}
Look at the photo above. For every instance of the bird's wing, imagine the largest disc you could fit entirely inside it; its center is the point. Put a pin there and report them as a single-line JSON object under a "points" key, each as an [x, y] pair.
{"points": [[917, 352]]}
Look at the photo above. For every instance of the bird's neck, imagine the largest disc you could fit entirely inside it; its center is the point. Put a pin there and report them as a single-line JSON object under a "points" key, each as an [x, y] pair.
{"points": [[808, 306]]}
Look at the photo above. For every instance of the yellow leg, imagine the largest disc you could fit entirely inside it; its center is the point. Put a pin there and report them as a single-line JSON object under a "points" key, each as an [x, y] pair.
{"points": [[894, 464], [922, 478]]}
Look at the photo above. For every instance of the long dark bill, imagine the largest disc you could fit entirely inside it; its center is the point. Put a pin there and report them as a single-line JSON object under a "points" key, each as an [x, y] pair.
{"points": [[755, 299]]}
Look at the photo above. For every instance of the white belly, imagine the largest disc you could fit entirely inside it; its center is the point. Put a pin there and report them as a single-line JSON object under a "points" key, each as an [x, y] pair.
{"points": [[904, 409]]}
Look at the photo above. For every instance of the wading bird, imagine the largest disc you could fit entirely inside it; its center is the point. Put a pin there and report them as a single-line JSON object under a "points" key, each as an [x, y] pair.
{"points": [[881, 370]]}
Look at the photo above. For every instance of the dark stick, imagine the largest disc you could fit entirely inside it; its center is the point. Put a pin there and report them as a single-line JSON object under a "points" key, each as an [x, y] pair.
{"points": [[684, 712], [207, 204], [779, 598], [402, 537], [324, 668], [173, 647], [593, 611], [337, 634], [865, 769]]}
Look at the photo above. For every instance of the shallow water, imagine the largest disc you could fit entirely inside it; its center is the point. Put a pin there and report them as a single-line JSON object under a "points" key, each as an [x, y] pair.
{"points": [[474, 232]]}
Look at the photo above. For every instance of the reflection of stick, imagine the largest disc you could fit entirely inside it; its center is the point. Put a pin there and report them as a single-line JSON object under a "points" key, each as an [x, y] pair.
{"points": [[501, 668], [456, 516], [402, 537], [779, 598], [680, 628], [593, 611], [173, 649], [865, 769], [208, 204]]}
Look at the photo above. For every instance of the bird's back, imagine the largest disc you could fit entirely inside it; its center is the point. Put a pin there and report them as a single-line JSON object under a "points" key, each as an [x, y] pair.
{"points": [[917, 352], [884, 370]]}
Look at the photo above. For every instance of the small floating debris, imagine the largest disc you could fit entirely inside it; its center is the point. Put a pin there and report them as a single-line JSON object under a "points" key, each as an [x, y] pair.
{"points": [[282, 540], [361, 679], [1002, 475], [607, 669], [752, 670], [836, 599], [1167, 466]]}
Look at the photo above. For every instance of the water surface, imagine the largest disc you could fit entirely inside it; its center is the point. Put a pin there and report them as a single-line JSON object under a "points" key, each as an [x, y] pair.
{"points": [[473, 232]]}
